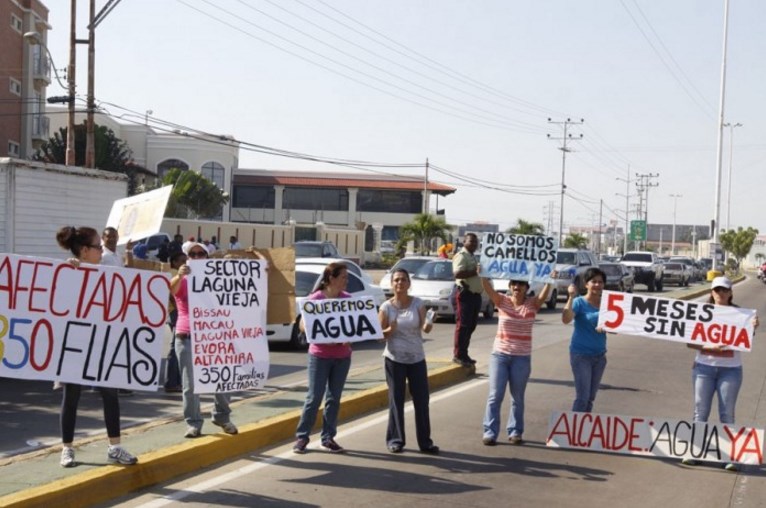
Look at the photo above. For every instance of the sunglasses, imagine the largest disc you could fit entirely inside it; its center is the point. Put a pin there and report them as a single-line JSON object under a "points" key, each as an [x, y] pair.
{"points": [[97, 247], [721, 289], [197, 254]]}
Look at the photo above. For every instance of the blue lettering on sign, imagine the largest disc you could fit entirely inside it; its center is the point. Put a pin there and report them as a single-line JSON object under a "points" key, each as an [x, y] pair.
{"points": [[513, 267]]}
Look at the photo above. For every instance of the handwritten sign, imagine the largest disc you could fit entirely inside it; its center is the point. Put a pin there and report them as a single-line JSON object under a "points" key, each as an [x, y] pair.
{"points": [[338, 320], [703, 324], [94, 325], [656, 437], [139, 216], [227, 317], [518, 257]]}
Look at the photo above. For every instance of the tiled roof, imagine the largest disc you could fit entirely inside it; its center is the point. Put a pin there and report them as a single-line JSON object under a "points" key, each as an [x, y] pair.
{"points": [[365, 183]]}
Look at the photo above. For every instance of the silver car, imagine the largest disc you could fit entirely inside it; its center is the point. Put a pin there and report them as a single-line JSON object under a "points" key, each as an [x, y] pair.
{"points": [[434, 284]]}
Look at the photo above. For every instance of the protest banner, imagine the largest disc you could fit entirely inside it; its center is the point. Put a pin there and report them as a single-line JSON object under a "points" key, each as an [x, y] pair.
{"points": [[139, 216], [227, 319], [92, 325], [656, 437], [518, 257], [698, 323], [339, 320]]}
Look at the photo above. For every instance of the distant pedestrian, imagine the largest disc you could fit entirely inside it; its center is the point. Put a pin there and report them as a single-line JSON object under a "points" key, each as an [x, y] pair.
{"points": [[176, 245], [587, 350], [85, 244], [163, 251], [234, 243], [183, 346], [403, 319], [110, 257], [465, 269], [328, 367]]}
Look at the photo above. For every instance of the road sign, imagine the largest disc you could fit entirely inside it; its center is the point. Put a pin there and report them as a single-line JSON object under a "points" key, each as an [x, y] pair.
{"points": [[637, 230]]}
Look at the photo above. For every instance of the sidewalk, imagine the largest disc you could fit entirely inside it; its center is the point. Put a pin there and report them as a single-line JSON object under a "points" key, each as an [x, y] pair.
{"points": [[37, 479]]}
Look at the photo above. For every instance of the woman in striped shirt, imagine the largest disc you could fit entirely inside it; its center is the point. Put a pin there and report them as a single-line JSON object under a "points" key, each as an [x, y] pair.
{"points": [[510, 363]]}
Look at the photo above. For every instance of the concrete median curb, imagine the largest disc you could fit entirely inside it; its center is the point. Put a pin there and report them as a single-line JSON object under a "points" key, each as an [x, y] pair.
{"points": [[109, 482]]}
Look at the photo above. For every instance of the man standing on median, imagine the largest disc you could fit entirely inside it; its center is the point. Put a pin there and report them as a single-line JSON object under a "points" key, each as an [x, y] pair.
{"points": [[468, 300]]}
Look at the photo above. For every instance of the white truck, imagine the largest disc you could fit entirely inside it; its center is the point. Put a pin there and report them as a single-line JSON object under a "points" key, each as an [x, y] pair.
{"points": [[647, 268]]}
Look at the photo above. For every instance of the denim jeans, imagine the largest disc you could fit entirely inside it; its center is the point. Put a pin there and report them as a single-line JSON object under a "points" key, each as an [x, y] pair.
{"points": [[512, 371], [398, 375], [587, 370], [707, 380], [192, 412], [325, 375]]}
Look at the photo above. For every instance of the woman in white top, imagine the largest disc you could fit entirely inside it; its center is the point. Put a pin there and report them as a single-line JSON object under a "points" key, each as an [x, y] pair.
{"points": [[403, 317]]}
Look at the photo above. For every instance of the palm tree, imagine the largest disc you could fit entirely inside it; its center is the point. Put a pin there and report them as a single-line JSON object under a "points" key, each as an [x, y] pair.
{"points": [[576, 241], [523, 227], [422, 229]]}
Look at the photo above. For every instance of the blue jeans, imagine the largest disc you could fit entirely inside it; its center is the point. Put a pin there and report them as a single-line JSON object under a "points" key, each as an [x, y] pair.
{"points": [[587, 370], [512, 371], [325, 374], [192, 412], [707, 380]]}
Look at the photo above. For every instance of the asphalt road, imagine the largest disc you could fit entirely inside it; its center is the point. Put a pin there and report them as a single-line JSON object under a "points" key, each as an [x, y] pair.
{"points": [[644, 378]]}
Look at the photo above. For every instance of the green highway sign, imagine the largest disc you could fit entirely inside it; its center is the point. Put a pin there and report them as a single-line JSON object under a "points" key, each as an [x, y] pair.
{"points": [[637, 230]]}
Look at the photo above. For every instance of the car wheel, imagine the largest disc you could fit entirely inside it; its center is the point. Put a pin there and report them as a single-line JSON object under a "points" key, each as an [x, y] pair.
{"points": [[621, 286], [650, 284], [551, 303], [658, 284], [298, 339]]}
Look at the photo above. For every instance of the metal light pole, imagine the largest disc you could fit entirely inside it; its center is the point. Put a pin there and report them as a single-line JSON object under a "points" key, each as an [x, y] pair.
{"points": [[564, 151], [673, 239], [731, 156], [627, 207]]}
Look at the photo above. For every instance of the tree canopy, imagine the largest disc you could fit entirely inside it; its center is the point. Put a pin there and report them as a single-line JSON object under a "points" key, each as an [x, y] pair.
{"points": [[193, 194], [738, 243], [423, 229], [523, 227], [576, 241]]}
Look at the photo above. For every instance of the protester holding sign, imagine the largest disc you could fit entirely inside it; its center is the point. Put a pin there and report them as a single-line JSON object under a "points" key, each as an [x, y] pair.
{"points": [[85, 244], [511, 361], [587, 350], [328, 367], [183, 346], [403, 318], [717, 369]]}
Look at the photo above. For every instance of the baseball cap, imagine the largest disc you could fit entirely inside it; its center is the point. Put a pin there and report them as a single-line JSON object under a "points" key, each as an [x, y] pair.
{"points": [[189, 246], [721, 282]]}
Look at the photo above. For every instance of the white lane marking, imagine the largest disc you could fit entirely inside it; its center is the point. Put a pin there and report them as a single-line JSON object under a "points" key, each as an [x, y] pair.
{"points": [[240, 472]]}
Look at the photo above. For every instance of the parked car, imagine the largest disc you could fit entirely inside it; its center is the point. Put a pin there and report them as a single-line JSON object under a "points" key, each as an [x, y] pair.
{"points": [[352, 266], [153, 243], [677, 273], [647, 268], [306, 280], [410, 263], [693, 272], [316, 249], [618, 277], [433, 283], [571, 265]]}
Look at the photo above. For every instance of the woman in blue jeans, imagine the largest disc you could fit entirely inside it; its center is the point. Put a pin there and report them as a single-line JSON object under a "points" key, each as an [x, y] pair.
{"points": [[511, 361], [587, 350], [328, 368], [717, 369]]}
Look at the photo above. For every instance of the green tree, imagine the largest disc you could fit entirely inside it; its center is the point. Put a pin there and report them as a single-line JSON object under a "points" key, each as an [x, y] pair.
{"points": [[576, 241], [112, 153], [193, 196], [523, 227], [738, 243], [422, 230]]}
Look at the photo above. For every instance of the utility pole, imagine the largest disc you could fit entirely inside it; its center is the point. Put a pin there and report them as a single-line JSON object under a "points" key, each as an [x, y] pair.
{"points": [[644, 184], [425, 191], [627, 207], [675, 206], [90, 140], [69, 157], [564, 149], [731, 156]]}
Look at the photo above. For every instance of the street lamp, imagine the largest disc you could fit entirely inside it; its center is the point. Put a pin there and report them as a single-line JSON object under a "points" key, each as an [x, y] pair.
{"points": [[731, 156], [34, 39], [675, 205]]}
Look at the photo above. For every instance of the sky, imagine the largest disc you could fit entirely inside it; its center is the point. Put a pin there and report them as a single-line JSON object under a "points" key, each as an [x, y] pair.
{"points": [[469, 85]]}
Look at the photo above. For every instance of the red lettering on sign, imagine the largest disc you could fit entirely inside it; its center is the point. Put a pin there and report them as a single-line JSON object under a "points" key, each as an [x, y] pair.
{"points": [[611, 305]]}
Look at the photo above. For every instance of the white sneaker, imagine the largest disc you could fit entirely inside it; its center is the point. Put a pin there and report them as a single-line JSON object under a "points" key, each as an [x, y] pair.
{"points": [[67, 457], [228, 427], [118, 455]]}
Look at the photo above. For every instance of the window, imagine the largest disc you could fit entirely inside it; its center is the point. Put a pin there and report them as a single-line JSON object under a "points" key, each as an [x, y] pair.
{"points": [[214, 172], [15, 87], [165, 166], [375, 200], [253, 196], [16, 23], [13, 149], [312, 198]]}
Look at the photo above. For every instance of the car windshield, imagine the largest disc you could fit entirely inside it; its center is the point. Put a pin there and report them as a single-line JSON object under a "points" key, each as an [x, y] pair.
{"points": [[673, 266], [566, 258], [685, 261], [611, 269], [411, 265], [637, 256], [308, 250], [434, 271], [304, 282]]}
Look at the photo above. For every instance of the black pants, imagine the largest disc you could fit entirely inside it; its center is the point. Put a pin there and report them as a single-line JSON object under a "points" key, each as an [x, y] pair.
{"points": [[397, 377], [172, 370], [466, 318], [69, 411]]}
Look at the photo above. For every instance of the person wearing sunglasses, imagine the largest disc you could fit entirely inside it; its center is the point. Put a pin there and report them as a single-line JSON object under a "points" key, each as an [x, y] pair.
{"points": [[183, 347], [511, 360], [84, 243], [717, 370]]}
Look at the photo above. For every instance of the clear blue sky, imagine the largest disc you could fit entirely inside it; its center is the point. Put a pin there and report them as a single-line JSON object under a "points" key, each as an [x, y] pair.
{"points": [[467, 84]]}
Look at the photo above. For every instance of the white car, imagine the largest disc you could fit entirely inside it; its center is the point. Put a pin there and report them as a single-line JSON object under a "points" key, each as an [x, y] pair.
{"points": [[410, 263], [306, 280], [352, 266], [433, 283]]}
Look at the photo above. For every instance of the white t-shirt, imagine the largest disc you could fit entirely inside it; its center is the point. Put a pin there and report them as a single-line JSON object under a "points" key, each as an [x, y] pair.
{"points": [[110, 258]]}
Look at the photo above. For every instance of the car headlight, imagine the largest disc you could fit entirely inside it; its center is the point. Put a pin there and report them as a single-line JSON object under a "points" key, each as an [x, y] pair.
{"points": [[444, 293], [567, 274]]}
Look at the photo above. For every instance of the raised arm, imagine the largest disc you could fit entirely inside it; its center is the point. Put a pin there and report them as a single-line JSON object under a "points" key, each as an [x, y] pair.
{"points": [[567, 315]]}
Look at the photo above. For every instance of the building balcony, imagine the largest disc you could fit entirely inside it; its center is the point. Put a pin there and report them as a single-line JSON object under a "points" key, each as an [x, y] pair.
{"points": [[41, 70], [40, 128]]}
